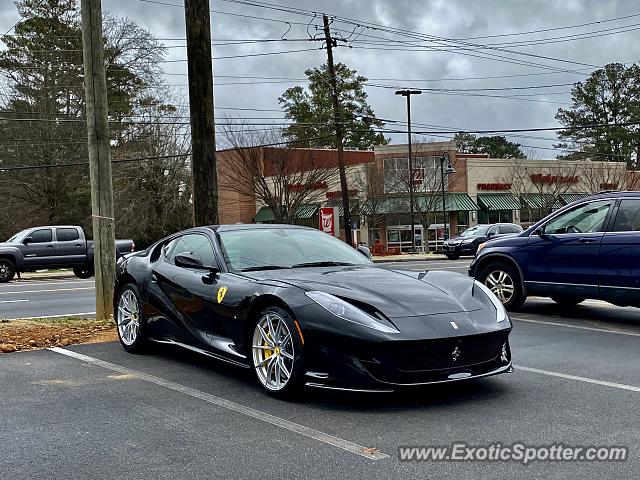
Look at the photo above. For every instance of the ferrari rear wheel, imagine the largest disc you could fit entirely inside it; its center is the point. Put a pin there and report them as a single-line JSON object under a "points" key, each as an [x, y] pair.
{"points": [[129, 320], [276, 349]]}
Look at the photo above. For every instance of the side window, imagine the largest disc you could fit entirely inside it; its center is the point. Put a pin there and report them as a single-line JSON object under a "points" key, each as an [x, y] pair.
{"points": [[193, 243], [67, 234], [502, 229], [492, 231], [628, 217], [41, 236], [514, 229], [587, 218]]}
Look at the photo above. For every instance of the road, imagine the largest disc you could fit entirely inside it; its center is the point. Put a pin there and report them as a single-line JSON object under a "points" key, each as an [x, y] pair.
{"points": [[93, 411]]}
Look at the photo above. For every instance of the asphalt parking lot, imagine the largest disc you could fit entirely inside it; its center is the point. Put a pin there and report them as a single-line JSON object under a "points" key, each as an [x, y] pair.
{"points": [[93, 411]]}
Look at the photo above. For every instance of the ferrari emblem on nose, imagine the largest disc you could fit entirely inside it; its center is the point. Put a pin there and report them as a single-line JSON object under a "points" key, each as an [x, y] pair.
{"points": [[455, 354], [221, 292]]}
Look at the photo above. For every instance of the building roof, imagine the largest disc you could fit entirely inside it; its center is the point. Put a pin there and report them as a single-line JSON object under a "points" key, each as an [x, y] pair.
{"points": [[265, 214], [454, 201], [498, 201]]}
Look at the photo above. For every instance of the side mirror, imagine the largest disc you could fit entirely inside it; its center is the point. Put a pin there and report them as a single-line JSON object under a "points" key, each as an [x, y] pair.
{"points": [[491, 235], [189, 260], [27, 240], [539, 232], [364, 251]]}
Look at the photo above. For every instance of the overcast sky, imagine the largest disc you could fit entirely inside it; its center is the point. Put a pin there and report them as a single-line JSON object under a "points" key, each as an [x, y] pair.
{"points": [[450, 19]]}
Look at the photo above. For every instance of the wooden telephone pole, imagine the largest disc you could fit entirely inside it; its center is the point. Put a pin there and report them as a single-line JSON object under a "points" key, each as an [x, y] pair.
{"points": [[95, 87], [203, 137], [336, 118]]}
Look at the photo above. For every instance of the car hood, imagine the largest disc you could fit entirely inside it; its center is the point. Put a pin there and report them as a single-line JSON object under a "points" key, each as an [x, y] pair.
{"points": [[7, 245], [394, 293]]}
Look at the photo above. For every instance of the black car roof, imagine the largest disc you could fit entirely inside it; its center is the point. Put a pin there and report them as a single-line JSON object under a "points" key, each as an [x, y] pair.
{"points": [[252, 226]]}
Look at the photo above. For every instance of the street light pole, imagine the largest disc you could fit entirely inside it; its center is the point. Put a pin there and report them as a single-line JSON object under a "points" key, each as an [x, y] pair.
{"points": [[448, 171], [444, 206], [408, 93]]}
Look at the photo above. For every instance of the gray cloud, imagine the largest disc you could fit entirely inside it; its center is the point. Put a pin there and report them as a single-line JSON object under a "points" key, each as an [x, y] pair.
{"points": [[444, 18]]}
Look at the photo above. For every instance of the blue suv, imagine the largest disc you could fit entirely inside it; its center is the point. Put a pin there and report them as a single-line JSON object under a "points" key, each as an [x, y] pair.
{"points": [[587, 249]]}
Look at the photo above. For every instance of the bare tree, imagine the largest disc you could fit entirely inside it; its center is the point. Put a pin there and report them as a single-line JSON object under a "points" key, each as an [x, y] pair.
{"points": [[153, 197], [423, 184], [547, 183], [259, 164]]}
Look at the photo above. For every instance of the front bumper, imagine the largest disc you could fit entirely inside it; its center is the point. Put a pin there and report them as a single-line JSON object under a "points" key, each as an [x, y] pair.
{"points": [[460, 249], [386, 366]]}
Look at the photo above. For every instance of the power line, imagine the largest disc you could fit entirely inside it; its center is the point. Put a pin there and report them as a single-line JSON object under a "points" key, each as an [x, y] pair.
{"points": [[157, 157]]}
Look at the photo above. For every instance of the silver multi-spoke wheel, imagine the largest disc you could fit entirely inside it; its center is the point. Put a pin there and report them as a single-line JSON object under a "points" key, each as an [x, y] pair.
{"points": [[128, 317], [273, 352], [501, 284], [6, 271]]}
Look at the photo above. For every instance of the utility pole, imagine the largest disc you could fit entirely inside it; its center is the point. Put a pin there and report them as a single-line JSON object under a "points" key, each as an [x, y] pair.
{"points": [[95, 87], [336, 118], [203, 137], [408, 93]]}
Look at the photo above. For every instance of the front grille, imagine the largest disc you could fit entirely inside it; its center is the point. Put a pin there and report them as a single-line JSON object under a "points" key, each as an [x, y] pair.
{"points": [[447, 353]]}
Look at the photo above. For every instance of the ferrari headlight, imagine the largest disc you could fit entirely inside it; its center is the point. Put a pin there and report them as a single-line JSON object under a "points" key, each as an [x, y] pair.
{"points": [[348, 312], [501, 313]]}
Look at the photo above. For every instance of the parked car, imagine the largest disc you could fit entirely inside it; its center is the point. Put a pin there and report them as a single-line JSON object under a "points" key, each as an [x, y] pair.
{"points": [[587, 249], [302, 308], [468, 241], [54, 246]]}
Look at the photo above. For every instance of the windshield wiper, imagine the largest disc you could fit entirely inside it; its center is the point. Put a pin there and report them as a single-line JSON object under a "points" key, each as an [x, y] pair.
{"points": [[327, 263], [263, 267]]}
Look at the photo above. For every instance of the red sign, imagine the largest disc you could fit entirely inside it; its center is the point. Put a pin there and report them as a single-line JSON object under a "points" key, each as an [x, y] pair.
{"points": [[608, 186], [299, 187], [494, 186], [327, 220], [541, 178], [417, 176]]}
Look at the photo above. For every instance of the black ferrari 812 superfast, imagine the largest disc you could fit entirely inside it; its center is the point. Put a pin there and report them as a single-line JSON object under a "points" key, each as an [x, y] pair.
{"points": [[302, 308]]}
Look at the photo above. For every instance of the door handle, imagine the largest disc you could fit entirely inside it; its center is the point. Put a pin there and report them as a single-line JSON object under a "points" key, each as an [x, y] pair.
{"points": [[588, 240], [78, 245], [49, 246], [154, 279]]}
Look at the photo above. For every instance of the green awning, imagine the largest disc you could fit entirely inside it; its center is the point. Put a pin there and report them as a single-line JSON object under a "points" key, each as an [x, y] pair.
{"points": [[498, 201], [567, 198], [337, 202], [265, 214], [540, 200], [454, 202]]}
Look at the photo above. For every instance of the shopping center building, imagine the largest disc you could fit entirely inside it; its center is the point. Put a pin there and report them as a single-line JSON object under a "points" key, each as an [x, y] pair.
{"points": [[477, 189]]}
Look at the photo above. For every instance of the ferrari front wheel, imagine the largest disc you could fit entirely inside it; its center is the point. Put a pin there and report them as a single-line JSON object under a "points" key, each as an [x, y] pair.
{"points": [[277, 352]]}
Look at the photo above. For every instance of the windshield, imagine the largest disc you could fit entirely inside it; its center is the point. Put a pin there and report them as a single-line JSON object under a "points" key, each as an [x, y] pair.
{"points": [[477, 231], [17, 238], [273, 248]]}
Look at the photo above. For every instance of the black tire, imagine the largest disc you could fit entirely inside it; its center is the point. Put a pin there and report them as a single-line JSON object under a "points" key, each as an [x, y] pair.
{"points": [[295, 382], [567, 301], [83, 272], [139, 343], [496, 269], [7, 270], [452, 257]]}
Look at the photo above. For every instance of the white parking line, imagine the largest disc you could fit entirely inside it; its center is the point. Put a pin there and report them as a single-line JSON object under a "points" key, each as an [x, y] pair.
{"points": [[13, 301], [604, 383], [236, 407], [82, 314], [22, 292], [579, 327], [58, 282]]}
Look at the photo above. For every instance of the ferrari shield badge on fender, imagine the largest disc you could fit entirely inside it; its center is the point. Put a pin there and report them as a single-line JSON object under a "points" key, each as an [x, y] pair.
{"points": [[221, 293]]}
